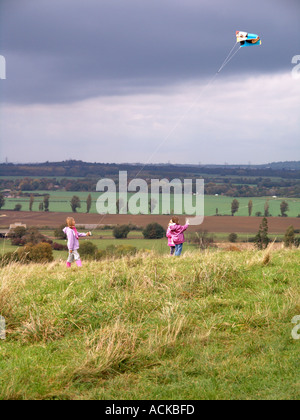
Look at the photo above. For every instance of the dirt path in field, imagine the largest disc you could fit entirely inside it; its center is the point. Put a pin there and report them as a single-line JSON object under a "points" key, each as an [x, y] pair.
{"points": [[222, 224]]}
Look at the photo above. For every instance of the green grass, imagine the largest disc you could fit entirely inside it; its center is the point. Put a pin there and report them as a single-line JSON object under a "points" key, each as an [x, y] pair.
{"points": [[213, 325], [60, 202]]}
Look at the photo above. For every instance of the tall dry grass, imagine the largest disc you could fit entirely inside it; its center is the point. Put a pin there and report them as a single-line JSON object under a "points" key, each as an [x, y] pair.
{"points": [[201, 316]]}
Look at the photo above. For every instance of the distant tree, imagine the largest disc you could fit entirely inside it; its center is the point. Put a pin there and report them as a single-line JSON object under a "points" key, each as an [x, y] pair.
{"points": [[284, 207], [250, 207], [88, 203], [2, 201], [18, 232], [289, 237], [46, 202], [75, 203], [31, 201], [235, 205], [267, 209], [261, 239]]}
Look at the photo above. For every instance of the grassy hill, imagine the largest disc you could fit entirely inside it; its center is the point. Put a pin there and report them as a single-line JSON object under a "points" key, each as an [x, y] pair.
{"points": [[215, 325]]}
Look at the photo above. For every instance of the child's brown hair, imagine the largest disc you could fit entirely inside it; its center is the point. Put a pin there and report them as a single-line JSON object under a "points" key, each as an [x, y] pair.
{"points": [[175, 220]]}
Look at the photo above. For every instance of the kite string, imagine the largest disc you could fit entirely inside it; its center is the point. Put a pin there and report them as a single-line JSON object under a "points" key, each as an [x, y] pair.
{"points": [[186, 113], [179, 121], [228, 58]]}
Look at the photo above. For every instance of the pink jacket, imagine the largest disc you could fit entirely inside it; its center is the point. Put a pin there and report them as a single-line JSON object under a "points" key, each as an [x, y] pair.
{"points": [[176, 231], [169, 236]]}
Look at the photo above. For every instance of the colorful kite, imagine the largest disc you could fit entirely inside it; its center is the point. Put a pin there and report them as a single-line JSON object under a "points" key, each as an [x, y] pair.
{"points": [[247, 40]]}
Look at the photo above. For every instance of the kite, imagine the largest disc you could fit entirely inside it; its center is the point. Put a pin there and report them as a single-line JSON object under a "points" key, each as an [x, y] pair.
{"points": [[247, 40]]}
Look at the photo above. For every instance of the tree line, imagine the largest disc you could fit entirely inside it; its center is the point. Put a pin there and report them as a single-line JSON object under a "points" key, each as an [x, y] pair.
{"points": [[235, 205], [240, 187]]}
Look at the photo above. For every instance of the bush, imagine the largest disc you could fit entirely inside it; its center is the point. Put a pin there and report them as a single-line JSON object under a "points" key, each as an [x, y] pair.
{"points": [[154, 231], [33, 236], [88, 250], [40, 253], [233, 237], [289, 237], [121, 232]]}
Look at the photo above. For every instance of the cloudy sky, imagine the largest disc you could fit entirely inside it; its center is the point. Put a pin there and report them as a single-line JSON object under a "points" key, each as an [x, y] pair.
{"points": [[135, 81]]}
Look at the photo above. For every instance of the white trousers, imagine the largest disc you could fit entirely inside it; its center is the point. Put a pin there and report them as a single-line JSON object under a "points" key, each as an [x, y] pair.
{"points": [[73, 256]]}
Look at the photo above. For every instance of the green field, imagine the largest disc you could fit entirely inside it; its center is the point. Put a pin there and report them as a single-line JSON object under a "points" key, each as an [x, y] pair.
{"points": [[104, 238], [216, 325], [60, 202]]}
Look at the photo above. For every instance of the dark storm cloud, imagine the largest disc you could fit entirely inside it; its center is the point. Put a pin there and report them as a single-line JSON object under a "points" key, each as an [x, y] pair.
{"points": [[68, 50]]}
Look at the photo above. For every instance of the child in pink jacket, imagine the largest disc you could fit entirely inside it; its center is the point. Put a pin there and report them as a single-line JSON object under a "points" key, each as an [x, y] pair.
{"points": [[177, 234], [170, 240], [73, 242]]}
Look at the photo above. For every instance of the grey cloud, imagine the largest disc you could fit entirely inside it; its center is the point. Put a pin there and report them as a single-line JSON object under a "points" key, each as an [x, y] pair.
{"points": [[61, 51]]}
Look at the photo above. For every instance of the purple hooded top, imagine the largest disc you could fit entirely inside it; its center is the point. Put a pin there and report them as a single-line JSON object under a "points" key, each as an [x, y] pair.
{"points": [[73, 242]]}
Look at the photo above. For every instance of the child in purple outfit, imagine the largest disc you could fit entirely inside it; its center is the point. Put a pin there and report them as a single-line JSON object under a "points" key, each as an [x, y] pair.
{"points": [[73, 242]]}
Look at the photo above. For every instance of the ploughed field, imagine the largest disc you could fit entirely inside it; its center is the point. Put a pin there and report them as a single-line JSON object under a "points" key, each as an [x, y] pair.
{"points": [[225, 224]]}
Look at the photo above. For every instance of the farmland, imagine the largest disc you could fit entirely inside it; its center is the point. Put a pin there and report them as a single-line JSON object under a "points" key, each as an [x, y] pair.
{"points": [[214, 324]]}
